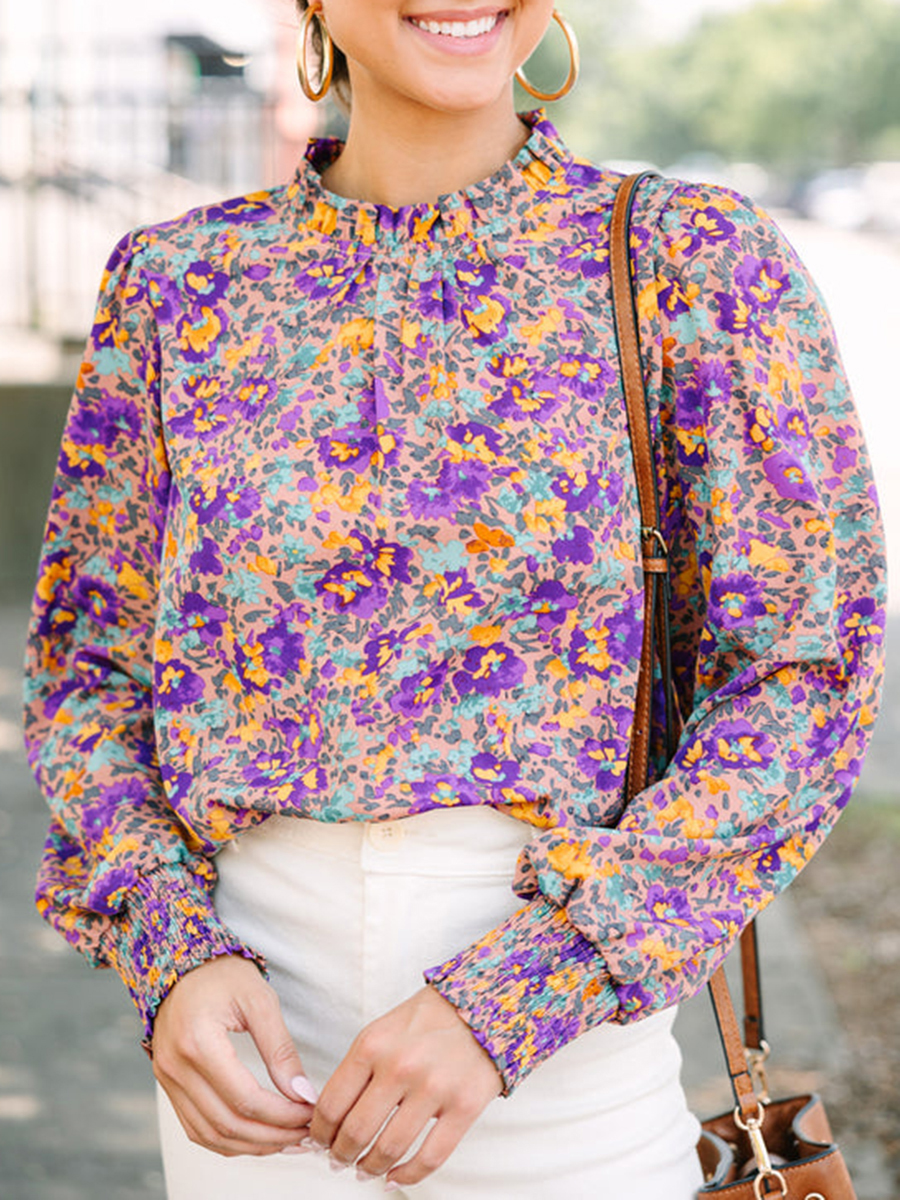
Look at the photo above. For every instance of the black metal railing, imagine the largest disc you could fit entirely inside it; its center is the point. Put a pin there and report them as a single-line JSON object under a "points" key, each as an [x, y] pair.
{"points": [[79, 168]]}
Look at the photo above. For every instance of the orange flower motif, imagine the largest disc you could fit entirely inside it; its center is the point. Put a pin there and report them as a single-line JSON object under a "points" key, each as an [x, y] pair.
{"points": [[487, 540], [572, 860]]}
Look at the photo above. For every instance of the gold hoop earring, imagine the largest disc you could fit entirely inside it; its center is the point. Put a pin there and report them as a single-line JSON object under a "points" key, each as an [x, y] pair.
{"points": [[327, 66], [574, 66]]}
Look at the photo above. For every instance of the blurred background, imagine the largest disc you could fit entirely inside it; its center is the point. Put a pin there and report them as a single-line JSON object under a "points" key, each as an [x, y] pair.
{"points": [[114, 115]]}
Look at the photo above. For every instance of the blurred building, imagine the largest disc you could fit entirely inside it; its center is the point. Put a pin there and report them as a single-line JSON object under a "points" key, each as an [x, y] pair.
{"points": [[106, 125]]}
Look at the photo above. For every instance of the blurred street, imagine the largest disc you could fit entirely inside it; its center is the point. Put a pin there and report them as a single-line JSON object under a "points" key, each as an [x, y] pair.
{"points": [[76, 1103]]}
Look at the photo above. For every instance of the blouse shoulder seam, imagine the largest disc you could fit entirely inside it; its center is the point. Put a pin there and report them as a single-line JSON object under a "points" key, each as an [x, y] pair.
{"points": [[161, 236]]}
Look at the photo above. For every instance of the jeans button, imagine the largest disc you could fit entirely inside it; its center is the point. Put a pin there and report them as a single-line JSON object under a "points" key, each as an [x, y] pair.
{"points": [[387, 836]]}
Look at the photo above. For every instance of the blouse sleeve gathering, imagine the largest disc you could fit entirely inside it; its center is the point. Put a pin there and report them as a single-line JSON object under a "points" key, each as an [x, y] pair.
{"points": [[777, 568], [121, 878]]}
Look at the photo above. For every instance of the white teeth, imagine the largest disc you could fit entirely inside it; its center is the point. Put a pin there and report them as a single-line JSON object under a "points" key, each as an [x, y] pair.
{"points": [[459, 29]]}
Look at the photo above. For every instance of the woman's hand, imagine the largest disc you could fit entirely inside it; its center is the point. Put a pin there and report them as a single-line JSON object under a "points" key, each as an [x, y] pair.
{"points": [[219, 1103], [421, 1060]]}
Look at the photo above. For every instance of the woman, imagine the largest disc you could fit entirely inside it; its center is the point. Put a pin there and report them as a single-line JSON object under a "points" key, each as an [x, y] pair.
{"points": [[339, 620]]}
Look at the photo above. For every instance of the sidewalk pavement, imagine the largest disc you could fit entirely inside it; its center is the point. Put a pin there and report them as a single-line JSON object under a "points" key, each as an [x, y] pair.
{"points": [[77, 1116]]}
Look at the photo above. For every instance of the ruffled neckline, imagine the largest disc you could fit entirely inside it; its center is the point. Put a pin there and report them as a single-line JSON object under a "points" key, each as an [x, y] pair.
{"points": [[499, 196]]}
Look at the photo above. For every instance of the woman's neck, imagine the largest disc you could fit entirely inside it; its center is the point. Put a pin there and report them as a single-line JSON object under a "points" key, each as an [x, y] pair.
{"points": [[413, 155]]}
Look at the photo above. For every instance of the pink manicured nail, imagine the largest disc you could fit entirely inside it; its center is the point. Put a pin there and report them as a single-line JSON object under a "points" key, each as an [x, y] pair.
{"points": [[364, 1176], [316, 1147], [392, 1186], [337, 1166], [304, 1089]]}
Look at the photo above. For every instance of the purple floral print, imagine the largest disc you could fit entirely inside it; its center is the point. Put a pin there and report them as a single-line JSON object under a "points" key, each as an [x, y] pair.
{"points": [[386, 558]]}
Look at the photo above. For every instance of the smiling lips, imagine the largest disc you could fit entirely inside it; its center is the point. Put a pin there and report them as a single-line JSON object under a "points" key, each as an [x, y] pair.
{"points": [[473, 28]]}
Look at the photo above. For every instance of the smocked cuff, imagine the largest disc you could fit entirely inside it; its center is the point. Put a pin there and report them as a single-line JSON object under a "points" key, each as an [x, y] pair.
{"points": [[527, 988], [168, 927]]}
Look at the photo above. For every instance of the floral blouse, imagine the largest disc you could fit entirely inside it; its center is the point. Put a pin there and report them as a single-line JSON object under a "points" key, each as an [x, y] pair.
{"points": [[345, 527]]}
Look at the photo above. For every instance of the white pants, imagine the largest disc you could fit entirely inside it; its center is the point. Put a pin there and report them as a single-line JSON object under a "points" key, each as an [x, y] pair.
{"points": [[349, 916]]}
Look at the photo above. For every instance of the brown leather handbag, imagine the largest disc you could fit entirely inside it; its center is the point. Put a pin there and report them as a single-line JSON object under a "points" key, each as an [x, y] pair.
{"points": [[765, 1149]]}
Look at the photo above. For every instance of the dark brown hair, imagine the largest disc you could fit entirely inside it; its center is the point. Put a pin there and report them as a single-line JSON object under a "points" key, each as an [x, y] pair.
{"points": [[340, 81]]}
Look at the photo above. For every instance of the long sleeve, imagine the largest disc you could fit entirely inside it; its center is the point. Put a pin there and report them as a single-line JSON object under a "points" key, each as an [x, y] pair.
{"points": [[778, 580], [122, 878]]}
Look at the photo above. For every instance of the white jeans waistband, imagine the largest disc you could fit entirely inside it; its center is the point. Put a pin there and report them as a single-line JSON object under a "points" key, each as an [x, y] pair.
{"points": [[459, 841]]}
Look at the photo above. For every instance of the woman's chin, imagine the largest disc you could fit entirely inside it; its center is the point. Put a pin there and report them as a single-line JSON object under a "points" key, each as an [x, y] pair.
{"points": [[460, 96]]}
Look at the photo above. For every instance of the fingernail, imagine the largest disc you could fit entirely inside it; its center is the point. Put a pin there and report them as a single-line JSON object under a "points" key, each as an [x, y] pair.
{"points": [[365, 1176], [392, 1186], [301, 1149], [304, 1089], [337, 1166], [311, 1144]]}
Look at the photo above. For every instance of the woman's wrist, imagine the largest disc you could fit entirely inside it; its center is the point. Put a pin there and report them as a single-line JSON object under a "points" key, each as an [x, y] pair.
{"points": [[527, 988], [169, 926]]}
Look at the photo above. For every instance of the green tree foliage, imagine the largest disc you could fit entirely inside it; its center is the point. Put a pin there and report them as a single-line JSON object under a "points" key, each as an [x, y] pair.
{"points": [[791, 84]]}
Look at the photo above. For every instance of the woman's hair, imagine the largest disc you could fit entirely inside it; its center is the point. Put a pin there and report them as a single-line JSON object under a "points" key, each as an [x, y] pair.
{"points": [[340, 80]]}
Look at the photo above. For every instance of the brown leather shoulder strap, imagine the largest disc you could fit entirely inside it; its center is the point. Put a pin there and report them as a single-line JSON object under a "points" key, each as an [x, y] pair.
{"points": [[630, 349], [754, 1030], [738, 1071], [642, 453]]}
